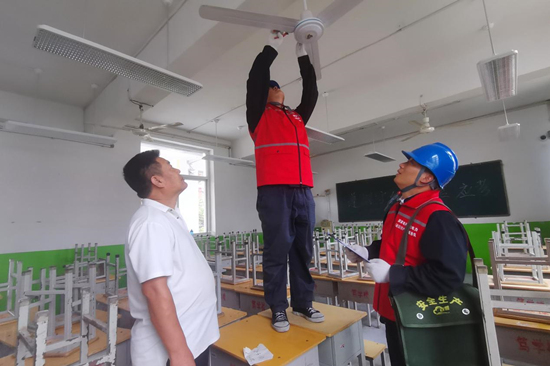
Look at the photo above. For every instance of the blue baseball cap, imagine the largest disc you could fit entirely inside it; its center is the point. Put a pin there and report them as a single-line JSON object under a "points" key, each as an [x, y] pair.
{"points": [[273, 83]]}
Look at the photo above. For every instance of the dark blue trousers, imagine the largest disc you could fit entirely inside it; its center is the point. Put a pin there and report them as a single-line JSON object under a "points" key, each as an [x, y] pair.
{"points": [[287, 214]]}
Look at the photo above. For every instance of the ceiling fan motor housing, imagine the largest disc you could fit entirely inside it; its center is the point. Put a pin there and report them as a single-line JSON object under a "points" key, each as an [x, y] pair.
{"points": [[309, 29]]}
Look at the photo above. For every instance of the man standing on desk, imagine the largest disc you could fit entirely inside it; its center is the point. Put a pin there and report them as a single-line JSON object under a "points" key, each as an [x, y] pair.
{"points": [[283, 170], [171, 288], [435, 261]]}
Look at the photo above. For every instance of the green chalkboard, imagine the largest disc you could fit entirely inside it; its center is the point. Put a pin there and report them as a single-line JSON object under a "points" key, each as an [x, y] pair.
{"points": [[477, 190]]}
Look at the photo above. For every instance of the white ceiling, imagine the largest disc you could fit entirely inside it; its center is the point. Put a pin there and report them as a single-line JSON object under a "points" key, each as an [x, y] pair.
{"points": [[376, 59], [124, 25]]}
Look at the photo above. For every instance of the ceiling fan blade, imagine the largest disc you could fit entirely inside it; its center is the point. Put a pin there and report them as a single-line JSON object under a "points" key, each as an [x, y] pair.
{"points": [[132, 127], [313, 53], [411, 136], [335, 10], [415, 123], [247, 18], [154, 128]]}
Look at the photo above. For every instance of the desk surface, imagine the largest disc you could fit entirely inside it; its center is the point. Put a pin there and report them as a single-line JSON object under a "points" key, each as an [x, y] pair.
{"points": [[229, 286], [323, 277], [259, 268], [522, 324], [526, 286], [229, 315], [357, 281], [337, 263], [123, 303], [254, 330], [336, 319], [248, 290], [94, 347], [525, 269]]}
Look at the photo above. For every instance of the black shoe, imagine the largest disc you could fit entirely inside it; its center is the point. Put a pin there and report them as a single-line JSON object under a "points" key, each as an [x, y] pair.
{"points": [[310, 314], [279, 321]]}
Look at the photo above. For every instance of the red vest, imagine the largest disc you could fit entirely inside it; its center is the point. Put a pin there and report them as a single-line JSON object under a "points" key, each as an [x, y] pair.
{"points": [[392, 232], [281, 148]]}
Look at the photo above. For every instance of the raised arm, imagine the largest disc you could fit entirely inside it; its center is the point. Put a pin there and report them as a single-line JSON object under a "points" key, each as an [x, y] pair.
{"points": [[257, 85], [309, 84]]}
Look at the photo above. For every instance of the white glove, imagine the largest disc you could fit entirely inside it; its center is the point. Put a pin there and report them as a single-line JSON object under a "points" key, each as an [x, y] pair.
{"points": [[300, 50], [275, 39], [379, 269], [354, 258]]}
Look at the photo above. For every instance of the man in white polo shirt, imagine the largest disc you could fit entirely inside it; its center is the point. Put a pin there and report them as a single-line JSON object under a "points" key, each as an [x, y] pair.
{"points": [[170, 285]]}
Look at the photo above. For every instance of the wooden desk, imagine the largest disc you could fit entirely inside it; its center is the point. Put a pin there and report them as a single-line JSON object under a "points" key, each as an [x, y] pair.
{"points": [[123, 303], [523, 341], [251, 300], [356, 290], [343, 330], [297, 347], [229, 316], [521, 286], [98, 345], [125, 319], [326, 286], [545, 287], [230, 298], [353, 289]]}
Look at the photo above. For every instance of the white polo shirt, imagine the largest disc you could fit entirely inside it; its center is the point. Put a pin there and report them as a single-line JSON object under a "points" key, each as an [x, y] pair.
{"points": [[159, 244]]}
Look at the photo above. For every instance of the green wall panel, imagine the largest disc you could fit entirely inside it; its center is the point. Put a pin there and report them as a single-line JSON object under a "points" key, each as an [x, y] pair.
{"points": [[479, 236], [47, 258]]}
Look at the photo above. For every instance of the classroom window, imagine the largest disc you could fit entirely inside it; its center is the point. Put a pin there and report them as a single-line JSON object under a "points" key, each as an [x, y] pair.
{"points": [[194, 202]]}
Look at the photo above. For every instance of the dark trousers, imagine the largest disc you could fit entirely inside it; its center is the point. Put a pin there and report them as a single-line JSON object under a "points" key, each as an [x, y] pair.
{"points": [[287, 214], [394, 344], [201, 360]]}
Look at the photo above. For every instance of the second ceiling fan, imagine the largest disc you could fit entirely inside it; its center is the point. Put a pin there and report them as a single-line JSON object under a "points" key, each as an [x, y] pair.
{"points": [[307, 30]]}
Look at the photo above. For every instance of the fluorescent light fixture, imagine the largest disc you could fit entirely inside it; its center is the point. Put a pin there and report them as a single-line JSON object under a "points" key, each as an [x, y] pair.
{"points": [[58, 134], [322, 136], [230, 161], [379, 157], [509, 132], [79, 49], [499, 75]]}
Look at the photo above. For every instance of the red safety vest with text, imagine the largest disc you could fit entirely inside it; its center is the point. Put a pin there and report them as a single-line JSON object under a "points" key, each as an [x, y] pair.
{"points": [[392, 232], [281, 148]]}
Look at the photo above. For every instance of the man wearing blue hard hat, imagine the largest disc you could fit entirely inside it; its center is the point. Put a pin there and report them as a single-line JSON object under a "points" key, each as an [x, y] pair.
{"points": [[436, 253]]}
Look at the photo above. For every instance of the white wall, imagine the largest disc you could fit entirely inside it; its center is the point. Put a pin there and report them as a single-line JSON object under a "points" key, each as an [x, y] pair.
{"points": [[235, 198], [526, 162], [41, 112], [58, 193]]}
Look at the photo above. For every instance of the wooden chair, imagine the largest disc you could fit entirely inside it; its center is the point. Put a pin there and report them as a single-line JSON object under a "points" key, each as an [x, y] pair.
{"points": [[373, 350]]}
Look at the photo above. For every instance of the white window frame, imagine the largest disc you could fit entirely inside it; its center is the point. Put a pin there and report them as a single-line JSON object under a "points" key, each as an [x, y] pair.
{"points": [[209, 179]]}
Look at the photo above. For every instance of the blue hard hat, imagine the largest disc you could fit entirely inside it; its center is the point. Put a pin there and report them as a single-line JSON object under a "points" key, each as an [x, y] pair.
{"points": [[438, 158], [273, 83]]}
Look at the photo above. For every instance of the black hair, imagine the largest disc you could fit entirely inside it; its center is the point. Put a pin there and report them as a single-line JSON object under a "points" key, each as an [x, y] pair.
{"points": [[139, 170]]}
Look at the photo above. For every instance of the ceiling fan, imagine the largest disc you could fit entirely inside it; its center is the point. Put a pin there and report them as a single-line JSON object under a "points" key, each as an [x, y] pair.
{"points": [[424, 126], [307, 30], [140, 130], [146, 132]]}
